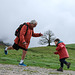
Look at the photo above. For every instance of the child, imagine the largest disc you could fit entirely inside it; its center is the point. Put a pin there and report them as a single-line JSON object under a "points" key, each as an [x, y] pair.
{"points": [[62, 52]]}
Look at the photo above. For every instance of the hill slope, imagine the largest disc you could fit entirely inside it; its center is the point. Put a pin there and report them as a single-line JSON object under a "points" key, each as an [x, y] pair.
{"points": [[39, 56], [70, 45]]}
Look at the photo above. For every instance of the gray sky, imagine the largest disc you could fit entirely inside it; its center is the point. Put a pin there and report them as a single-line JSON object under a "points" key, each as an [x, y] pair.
{"points": [[56, 15]]}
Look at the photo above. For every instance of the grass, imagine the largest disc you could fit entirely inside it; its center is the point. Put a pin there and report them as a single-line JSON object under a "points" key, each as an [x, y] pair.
{"points": [[38, 56], [70, 45]]}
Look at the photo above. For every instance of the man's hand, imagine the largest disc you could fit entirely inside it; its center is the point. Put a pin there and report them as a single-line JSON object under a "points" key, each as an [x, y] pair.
{"points": [[40, 34], [24, 43]]}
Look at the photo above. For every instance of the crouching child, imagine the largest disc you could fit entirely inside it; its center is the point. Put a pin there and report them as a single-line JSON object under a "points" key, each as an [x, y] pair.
{"points": [[63, 54]]}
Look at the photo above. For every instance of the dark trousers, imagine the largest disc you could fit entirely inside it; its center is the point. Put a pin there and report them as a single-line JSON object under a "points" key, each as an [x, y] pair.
{"points": [[62, 62]]}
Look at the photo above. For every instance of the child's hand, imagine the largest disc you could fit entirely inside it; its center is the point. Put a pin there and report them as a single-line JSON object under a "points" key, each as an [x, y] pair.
{"points": [[55, 52]]}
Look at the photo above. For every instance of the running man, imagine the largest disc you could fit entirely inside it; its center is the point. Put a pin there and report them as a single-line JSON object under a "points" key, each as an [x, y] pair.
{"points": [[22, 42]]}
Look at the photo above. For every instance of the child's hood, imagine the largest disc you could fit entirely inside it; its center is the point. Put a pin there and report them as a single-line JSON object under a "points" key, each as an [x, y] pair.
{"points": [[60, 43]]}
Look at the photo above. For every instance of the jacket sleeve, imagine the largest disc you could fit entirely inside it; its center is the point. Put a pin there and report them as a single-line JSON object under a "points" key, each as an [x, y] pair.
{"points": [[22, 33], [60, 46], [35, 34], [56, 53]]}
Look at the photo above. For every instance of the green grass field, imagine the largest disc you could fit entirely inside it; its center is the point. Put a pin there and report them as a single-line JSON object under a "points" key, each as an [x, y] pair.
{"points": [[38, 56], [70, 45]]}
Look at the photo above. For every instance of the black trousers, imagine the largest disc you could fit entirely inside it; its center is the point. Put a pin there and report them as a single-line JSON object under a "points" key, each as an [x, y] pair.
{"points": [[62, 62], [16, 47]]}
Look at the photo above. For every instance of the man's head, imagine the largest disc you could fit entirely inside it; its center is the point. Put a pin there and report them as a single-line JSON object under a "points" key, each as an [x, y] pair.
{"points": [[56, 41], [33, 23]]}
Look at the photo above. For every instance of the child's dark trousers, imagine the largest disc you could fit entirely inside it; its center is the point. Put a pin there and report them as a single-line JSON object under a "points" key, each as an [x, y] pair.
{"points": [[62, 62]]}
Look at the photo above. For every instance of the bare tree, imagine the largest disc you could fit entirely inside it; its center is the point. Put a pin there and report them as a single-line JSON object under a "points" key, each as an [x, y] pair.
{"points": [[47, 38]]}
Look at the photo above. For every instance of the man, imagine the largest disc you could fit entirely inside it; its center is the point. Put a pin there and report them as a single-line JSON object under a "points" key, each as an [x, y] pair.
{"points": [[24, 41]]}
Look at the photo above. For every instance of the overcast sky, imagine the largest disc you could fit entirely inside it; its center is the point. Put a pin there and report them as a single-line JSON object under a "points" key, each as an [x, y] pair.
{"points": [[56, 15]]}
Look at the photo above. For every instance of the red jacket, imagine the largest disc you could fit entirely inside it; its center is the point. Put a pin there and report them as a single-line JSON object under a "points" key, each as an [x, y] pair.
{"points": [[62, 51], [26, 38]]}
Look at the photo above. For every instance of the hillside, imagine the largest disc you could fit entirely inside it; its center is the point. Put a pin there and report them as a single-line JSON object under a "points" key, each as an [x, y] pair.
{"points": [[38, 56], [70, 45], [4, 44]]}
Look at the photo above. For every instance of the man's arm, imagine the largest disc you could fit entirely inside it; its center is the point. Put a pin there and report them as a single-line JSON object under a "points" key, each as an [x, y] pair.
{"points": [[36, 34], [22, 33]]}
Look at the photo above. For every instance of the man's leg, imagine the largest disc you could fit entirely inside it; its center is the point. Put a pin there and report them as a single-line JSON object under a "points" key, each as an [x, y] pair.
{"points": [[8, 48], [22, 59], [23, 54], [15, 46]]}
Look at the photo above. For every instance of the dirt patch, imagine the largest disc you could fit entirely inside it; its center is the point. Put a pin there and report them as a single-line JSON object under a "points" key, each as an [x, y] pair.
{"points": [[19, 70]]}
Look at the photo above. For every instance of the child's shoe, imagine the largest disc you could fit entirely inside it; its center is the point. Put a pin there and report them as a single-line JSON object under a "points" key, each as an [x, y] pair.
{"points": [[60, 69], [68, 65]]}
